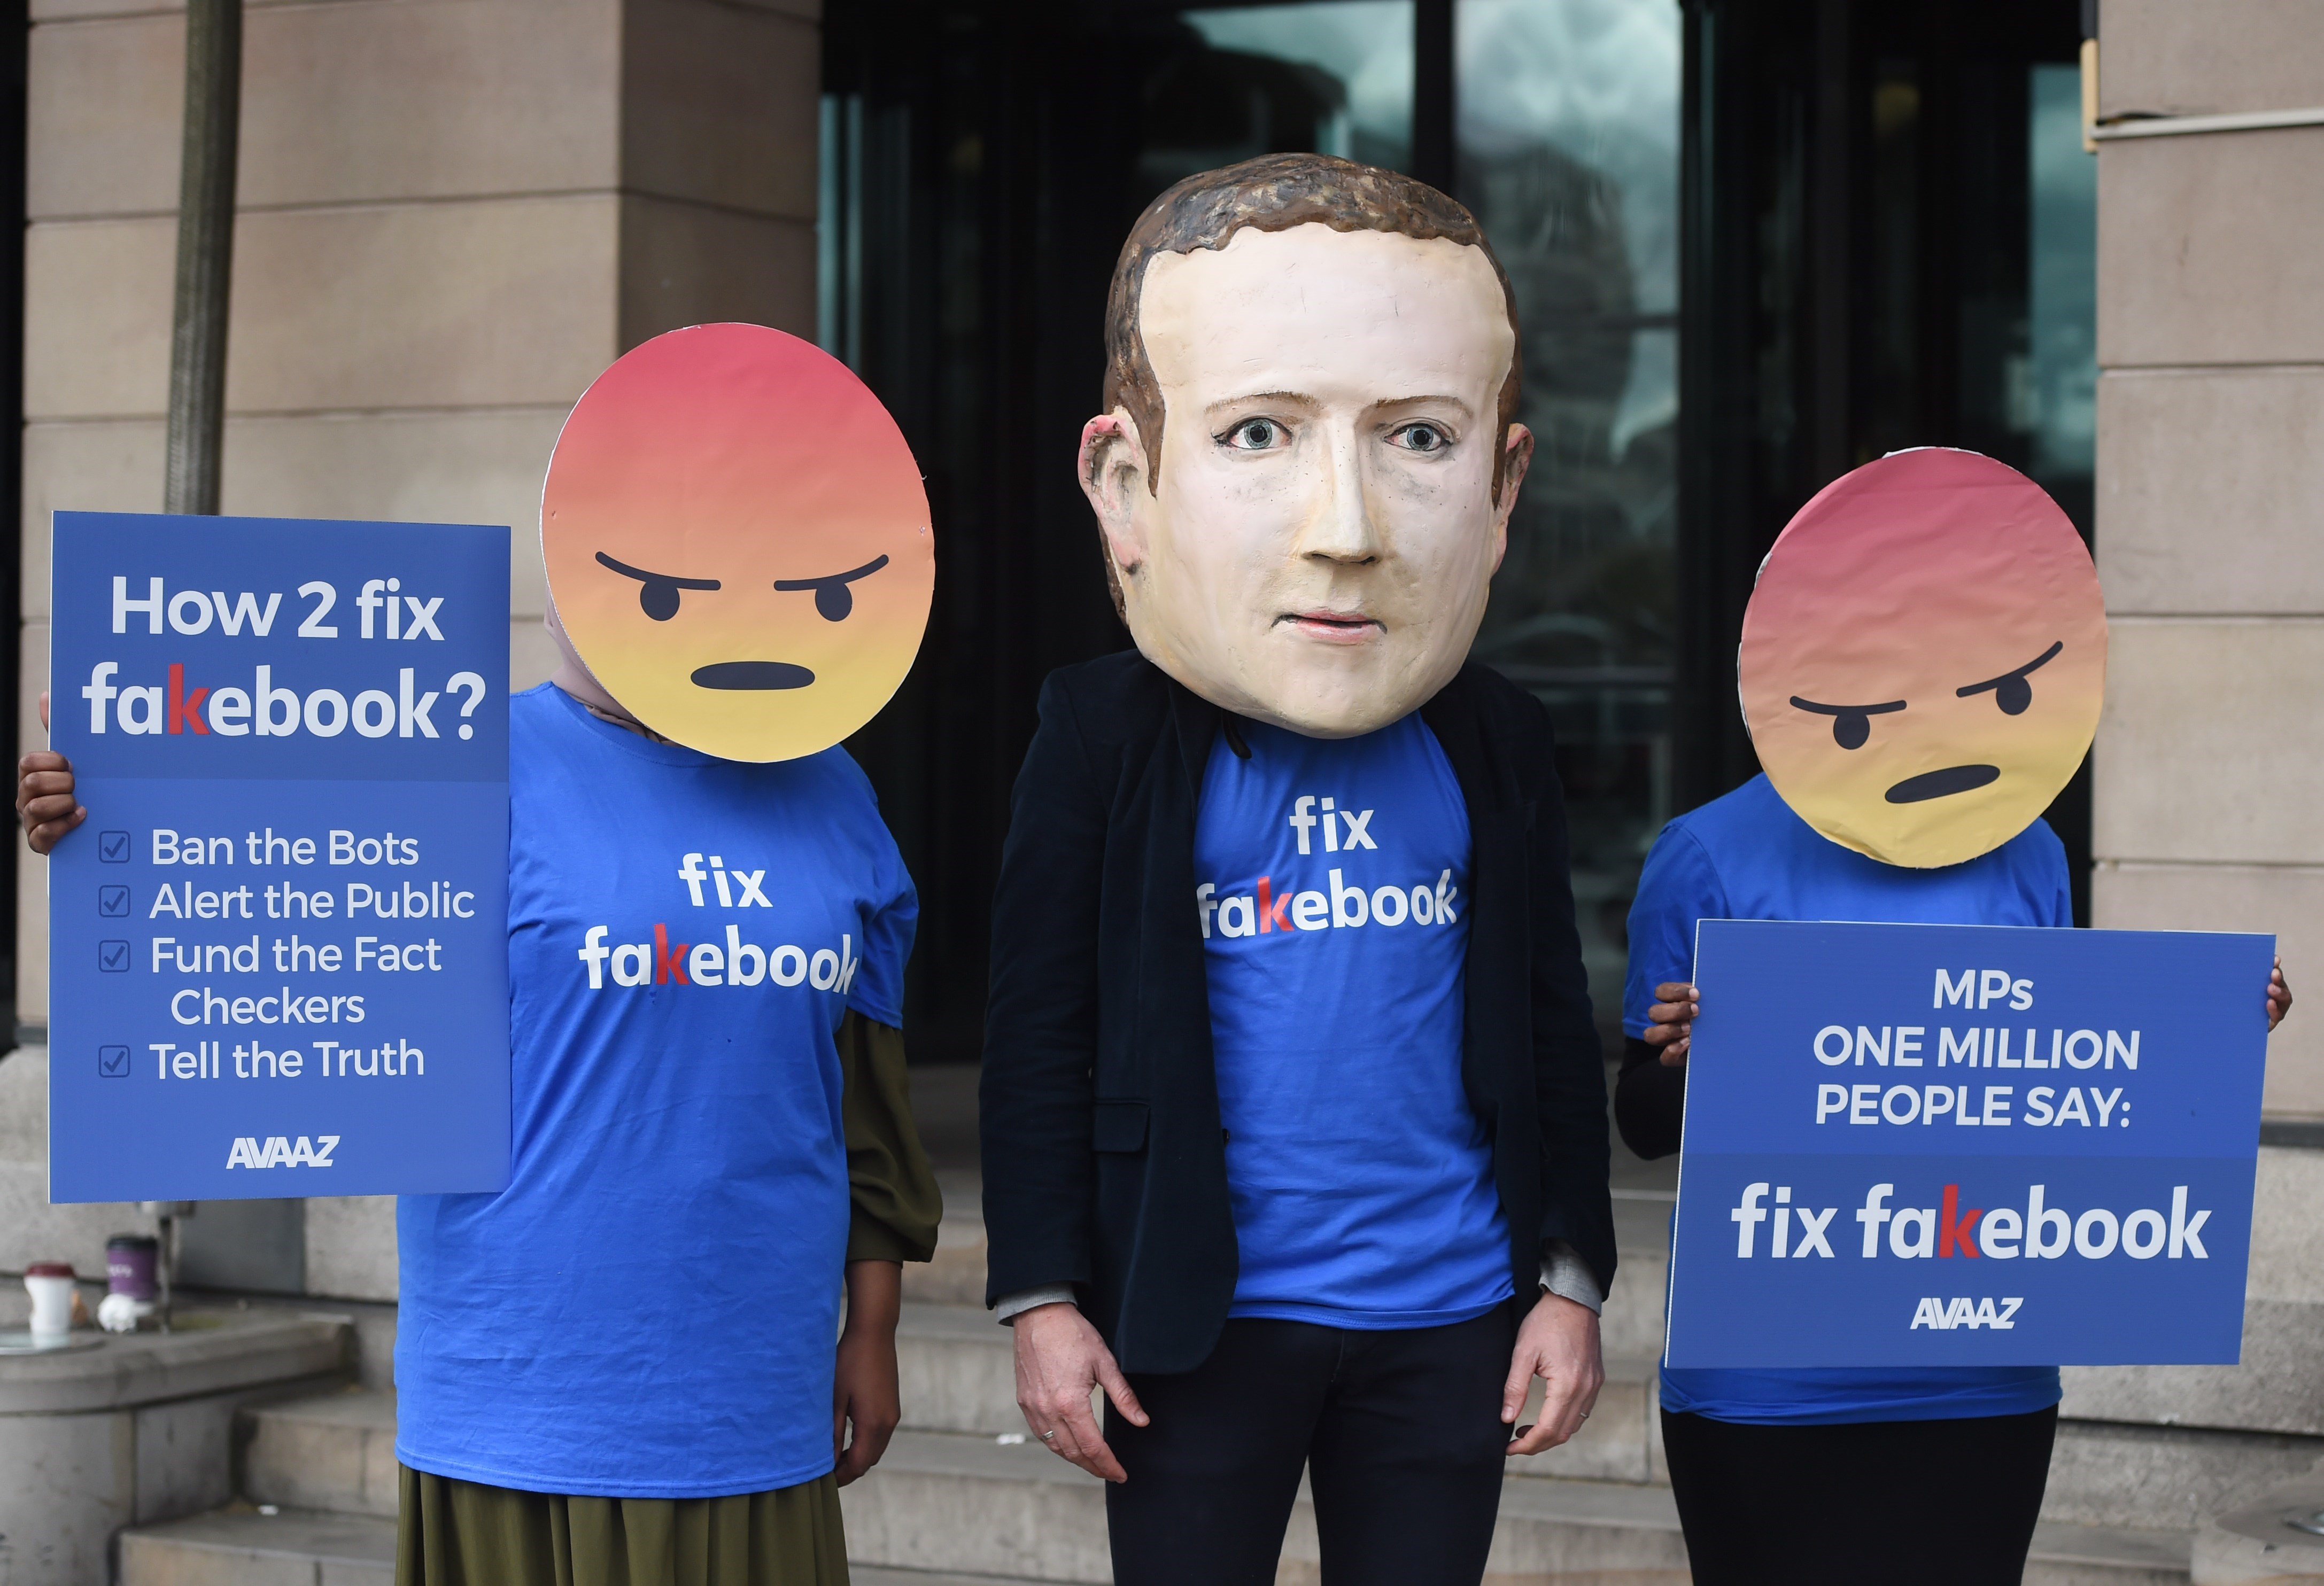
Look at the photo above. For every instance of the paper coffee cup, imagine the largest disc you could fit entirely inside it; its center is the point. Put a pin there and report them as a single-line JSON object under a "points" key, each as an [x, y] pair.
{"points": [[51, 1285]]}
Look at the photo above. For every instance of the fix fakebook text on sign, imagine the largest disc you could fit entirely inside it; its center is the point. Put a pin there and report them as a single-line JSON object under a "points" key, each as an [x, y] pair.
{"points": [[2063, 1122]]}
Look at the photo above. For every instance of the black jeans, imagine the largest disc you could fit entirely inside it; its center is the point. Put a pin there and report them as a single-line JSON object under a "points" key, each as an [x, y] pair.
{"points": [[1944, 1503], [1400, 1433]]}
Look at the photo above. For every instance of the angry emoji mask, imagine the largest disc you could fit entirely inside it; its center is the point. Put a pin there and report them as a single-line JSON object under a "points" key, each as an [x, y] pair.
{"points": [[1923, 657], [738, 542]]}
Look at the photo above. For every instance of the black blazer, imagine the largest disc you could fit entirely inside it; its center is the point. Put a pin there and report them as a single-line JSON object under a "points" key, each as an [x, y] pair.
{"points": [[1104, 1162]]}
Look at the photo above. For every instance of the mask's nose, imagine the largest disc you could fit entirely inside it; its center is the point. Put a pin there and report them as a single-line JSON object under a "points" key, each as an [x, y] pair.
{"points": [[1339, 526]]}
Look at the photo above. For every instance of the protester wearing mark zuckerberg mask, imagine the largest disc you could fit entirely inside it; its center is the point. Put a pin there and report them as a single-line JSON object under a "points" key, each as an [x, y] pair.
{"points": [[1294, 1116]]}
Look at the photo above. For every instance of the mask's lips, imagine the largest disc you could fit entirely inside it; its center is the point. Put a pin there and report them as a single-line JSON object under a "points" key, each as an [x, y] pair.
{"points": [[752, 674], [1953, 778], [1334, 627]]}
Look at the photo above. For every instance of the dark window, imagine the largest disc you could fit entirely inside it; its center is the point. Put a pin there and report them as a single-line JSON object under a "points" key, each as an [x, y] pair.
{"points": [[1755, 242]]}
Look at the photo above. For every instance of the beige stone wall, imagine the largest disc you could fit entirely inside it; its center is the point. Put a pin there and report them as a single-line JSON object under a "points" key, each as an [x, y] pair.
{"points": [[2210, 798], [453, 213]]}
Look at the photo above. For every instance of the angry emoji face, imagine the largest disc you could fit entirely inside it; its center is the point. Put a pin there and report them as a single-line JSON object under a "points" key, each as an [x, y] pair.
{"points": [[738, 542], [1923, 657]]}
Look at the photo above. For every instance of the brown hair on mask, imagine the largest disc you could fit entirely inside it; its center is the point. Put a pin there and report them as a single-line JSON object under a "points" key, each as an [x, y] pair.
{"points": [[1274, 192]]}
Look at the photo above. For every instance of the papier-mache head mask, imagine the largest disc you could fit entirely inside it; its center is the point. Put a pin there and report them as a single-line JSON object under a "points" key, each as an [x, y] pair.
{"points": [[1306, 468], [738, 542], [1923, 657]]}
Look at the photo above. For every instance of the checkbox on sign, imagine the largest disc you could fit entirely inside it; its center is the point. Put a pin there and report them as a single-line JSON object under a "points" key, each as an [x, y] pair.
{"points": [[113, 902], [113, 1062], [113, 957], [113, 847]]}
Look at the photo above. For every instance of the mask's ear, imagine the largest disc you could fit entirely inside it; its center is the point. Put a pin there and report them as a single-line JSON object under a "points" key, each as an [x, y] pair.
{"points": [[1114, 474], [1517, 456]]}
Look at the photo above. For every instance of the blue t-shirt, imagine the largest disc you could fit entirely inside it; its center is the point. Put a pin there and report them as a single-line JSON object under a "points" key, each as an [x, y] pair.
{"points": [[1333, 885], [649, 1310], [1748, 856]]}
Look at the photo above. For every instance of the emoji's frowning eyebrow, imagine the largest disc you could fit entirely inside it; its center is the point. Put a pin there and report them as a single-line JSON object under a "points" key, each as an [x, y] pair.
{"points": [[1848, 710], [832, 599], [2016, 674], [1852, 724], [658, 598]]}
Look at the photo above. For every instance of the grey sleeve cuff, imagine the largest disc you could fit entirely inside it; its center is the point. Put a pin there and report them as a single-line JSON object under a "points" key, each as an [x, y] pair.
{"points": [[1567, 1276], [1025, 1299]]}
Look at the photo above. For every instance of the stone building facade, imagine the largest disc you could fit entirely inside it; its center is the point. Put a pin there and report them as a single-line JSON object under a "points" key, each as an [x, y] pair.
{"points": [[454, 213]]}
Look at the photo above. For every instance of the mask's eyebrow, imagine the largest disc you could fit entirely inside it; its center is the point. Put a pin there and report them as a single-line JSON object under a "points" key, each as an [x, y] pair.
{"points": [[1851, 726], [642, 577], [658, 598], [2043, 660], [832, 599], [1300, 401], [1849, 710]]}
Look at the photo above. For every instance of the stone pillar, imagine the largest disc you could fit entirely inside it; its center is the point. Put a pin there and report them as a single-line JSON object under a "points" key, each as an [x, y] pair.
{"points": [[453, 215], [2210, 470]]}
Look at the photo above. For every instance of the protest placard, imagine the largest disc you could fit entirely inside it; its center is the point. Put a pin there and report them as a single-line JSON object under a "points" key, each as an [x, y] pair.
{"points": [[1958, 1145], [278, 953]]}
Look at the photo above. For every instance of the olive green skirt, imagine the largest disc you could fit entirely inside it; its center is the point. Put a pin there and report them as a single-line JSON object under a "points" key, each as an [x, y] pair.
{"points": [[465, 1533]]}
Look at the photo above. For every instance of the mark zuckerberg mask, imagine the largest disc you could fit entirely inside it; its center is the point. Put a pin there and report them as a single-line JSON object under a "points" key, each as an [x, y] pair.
{"points": [[1923, 657], [1306, 478]]}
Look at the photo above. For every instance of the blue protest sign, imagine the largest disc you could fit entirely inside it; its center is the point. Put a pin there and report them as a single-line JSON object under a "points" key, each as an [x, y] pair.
{"points": [[278, 946], [1914, 1145]]}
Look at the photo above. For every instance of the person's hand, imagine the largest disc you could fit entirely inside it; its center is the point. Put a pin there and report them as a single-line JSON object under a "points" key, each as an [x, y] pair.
{"points": [[1670, 1021], [863, 1392], [44, 794], [1060, 1361], [2279, 997], [1559, 1344]]}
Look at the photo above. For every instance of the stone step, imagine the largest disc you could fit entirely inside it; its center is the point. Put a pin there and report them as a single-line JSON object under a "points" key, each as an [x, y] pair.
{"points": [[2271, 1540], [866, 1575], [941, 1501], [242, 1547], [239, 1547], [333, 1451], [957, 1374], [955, 1277], [960, 1500], [953, 1510], [971, 1504], [2101, 1555]]}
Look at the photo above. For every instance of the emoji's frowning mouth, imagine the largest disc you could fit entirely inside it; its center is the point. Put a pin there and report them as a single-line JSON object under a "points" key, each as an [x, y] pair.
{"points": [[752, 674], [1953, 778]]}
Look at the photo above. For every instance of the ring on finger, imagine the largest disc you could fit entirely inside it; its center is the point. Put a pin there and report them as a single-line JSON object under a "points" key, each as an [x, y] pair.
{"points": [[1050, 1435]]}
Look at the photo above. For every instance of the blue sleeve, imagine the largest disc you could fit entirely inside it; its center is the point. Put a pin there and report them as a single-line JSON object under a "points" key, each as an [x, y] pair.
{"points": [[877, 991], [1677, 887], [2061, 880], [890, 909], [2047, 879]]}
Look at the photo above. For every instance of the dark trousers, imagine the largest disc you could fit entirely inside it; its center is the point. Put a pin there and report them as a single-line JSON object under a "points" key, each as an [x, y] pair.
{"points": [[1948, 1503], [1400, 1433]]}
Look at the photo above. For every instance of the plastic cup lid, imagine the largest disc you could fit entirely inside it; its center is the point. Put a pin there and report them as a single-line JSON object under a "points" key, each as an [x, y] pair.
{"points": [[48, 1269]]}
